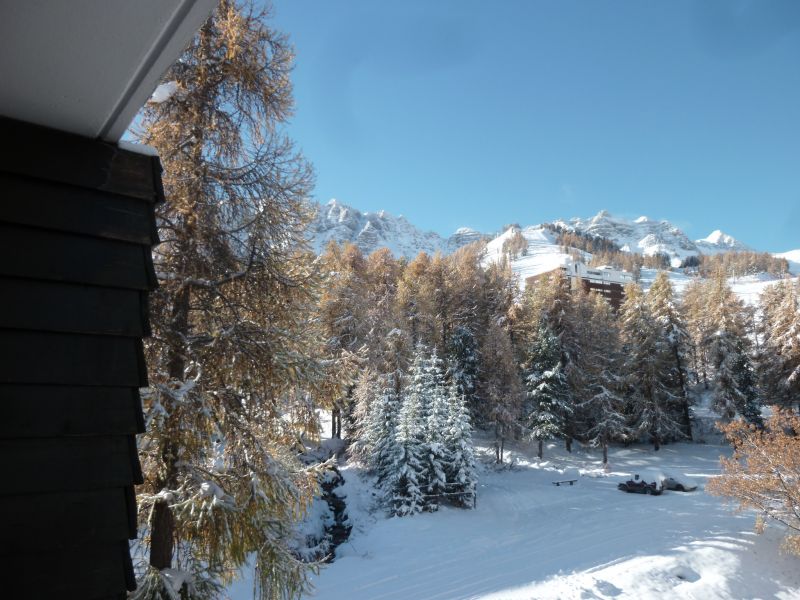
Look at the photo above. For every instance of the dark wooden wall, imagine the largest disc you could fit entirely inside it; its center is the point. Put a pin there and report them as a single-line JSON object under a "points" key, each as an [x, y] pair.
{"points": [[76, 226]]}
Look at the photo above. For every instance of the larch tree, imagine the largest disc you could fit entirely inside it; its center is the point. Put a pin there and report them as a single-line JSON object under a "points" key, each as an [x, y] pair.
{"points": [[764, 472], [779, 364], [500, 386], [342, 312], [232, 332]]}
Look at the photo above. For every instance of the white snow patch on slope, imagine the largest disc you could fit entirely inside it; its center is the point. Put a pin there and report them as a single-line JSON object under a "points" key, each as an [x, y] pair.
{"points": [[793, 256], [542, 255]]}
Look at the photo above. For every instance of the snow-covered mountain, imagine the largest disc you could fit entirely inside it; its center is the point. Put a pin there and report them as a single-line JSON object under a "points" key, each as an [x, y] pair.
{"points": [[649, 237], [718, 242], [370, 231]]}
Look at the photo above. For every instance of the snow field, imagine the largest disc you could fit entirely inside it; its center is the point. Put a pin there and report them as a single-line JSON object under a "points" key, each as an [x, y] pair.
{"points": [[528, 539]]}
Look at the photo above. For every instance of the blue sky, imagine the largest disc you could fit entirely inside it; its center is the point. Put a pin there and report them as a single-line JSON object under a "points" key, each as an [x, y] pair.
{"points": [[461, 113]]}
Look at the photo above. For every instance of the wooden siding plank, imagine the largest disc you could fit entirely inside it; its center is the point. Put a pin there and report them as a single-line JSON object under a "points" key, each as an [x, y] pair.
{"points": [[61, 157], [77, 210], [54, 256], [71, 359], [35, 466], [90, 573], [71, 308], [50, 411], [96, 516]]}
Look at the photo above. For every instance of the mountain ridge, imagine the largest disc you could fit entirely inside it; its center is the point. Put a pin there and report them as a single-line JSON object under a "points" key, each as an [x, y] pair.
{"points": [[340, 222]]}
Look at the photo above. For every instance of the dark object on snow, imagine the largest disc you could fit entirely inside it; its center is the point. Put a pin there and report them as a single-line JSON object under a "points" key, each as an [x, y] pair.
{"points": [[76, 225], [639, 486], [564, 482], [679, 485]]}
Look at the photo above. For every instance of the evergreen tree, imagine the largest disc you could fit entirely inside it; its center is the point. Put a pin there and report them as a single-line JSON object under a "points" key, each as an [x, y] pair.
{"points": [[748, 403], [408, 476], [435, 431], [602, 411], [460, 470], [662, 304], [546, 386], [380, 434], [232, 318], [463, 361], [654, 407], [364, 439], [726, 348]]}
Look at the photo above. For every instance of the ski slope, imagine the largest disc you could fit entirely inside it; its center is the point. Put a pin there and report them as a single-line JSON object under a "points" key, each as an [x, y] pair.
{"points": [[529, 539], [544, 255]]}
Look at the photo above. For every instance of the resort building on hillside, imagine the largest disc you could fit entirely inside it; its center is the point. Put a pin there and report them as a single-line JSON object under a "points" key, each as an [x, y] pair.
{"points": [[604, 280]]}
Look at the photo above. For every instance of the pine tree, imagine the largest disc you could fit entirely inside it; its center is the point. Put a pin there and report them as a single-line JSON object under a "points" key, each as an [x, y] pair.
{"points": [[653, 405], [435, 396], [727, 348], [463, 362], [364, 439], [232, 318], [461, 472], [603, 411], [662, 304], [380, 433], [408, 477], [547, 391]]}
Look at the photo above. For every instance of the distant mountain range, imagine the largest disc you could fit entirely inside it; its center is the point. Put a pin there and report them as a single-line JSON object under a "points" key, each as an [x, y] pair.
{"points": [[370, 231]]}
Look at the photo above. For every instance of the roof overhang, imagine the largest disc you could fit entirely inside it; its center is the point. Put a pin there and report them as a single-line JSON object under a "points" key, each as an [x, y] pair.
{"points": [[88, 66]]}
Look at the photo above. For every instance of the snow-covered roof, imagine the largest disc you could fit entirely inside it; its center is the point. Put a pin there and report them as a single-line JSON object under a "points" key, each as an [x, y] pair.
{"points": [[86, 67]]}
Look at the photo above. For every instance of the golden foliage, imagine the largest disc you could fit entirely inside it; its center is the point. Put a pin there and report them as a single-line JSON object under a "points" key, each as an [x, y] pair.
{"points": [[764, 472]]}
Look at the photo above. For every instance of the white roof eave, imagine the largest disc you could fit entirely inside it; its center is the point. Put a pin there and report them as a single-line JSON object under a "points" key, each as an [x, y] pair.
{"points": [[87, 67]]}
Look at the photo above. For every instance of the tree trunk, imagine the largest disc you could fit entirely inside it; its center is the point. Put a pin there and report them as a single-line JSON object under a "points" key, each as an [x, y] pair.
{"points": [[162, 542], [541, 448], [335, 420], [605, 453], [568, 443], [162, 525]]}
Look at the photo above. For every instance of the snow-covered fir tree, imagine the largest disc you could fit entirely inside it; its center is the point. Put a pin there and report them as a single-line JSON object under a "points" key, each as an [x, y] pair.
{"points": [[462, 478], [407, 474], [463, 361], [380, 432], [666, 312], [647, 367], [547, 391], [602, 409], [436, 458], [727, 348]]}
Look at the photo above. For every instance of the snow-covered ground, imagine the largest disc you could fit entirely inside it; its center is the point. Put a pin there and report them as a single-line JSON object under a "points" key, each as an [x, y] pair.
{"points": [[529, 539]]}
